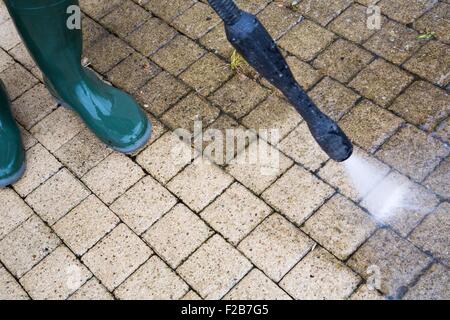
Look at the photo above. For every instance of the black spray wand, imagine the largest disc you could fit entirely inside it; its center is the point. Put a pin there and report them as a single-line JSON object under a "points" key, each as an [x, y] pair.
{"points": [[254, 43]]}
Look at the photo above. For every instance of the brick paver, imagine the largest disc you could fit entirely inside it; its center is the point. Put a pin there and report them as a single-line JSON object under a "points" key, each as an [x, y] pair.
{"points": [[88, 223]]}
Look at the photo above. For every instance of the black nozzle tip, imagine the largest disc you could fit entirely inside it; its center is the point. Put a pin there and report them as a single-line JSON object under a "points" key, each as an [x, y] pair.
{"points": [[337, 146], [344, 152], [333, 141]]}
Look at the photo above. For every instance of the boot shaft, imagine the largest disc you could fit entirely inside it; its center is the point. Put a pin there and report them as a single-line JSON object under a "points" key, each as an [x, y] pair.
{"points": [[8, 125], [55, 47]]}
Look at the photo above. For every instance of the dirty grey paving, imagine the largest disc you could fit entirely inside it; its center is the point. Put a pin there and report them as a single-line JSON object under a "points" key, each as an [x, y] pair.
{"points": [[148, 226]]}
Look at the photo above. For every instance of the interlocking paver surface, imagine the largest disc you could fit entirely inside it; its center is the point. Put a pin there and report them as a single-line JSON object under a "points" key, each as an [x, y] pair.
{"points": [[167, 222]]}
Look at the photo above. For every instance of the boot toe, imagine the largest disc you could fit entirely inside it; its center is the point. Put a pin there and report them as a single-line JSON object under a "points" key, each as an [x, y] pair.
{"points": [[132, 128], [134, 142]]}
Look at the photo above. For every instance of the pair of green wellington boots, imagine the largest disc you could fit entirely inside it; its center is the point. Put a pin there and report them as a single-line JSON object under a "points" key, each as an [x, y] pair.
{"points": [[111, 114]]}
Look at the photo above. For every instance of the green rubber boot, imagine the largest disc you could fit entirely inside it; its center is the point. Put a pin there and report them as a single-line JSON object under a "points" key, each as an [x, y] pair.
{"points": [[111, 114], [12, 154]]}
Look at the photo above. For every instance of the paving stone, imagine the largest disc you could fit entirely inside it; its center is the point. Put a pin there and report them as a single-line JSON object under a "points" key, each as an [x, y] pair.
{"points": [[394, 42], [57, 196], [236, 213], [56, 277], [443, 130], [92, 32], [275, 246], [395, 260], [92, 290], [9, 288], [216, 41], [151, 36], [178, 55], [433, 285], [207, 74], [370, 126], [405, 11], [21, 54], [274, 114], [82, 153], [8, 35], [303, 72], [239, 96], [190, 110], [278, 19], [258, 166], [161, 92], [13, 211], [4, 15], [333, 98], [116, 256], [320, 276], [85, 225], [33, 106], [433, 235], [214, 268], [367, 294], [342, 60], [352, 24], [143, 204], [306, 40], [100, 8], [112, 177], [135, 16], [322, 12], [437, 21], [416, 203], [256, 286], [27, 139], [438, 181], [336, 175], [153, 281], [301, 146], [340, 226], [17, 80], [423, 104], [133, 72], [57, 128], [431, 62], [381, 82], [28, 244], [197, 20], [191, 296], [169, 10], [176, 235], [413, 152], [100, 56], [5, 60], [252, 5], [223, 140], [292, 194], [199, 184], [41, 165], [166, 157]]}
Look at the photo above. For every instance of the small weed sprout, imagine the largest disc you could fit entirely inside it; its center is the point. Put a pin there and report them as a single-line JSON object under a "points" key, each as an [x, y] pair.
{"points": [[237, 62], [429, 35]]}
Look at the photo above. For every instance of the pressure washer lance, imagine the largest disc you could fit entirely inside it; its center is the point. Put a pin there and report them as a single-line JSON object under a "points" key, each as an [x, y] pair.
{"points": [[254, 43]]}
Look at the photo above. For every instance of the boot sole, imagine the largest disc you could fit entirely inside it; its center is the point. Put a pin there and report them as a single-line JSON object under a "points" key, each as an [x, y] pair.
{"points": [[138, 144], [13, 179]]}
